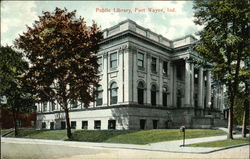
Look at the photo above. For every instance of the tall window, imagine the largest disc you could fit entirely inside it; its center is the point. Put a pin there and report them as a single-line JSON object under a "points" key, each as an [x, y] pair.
{"points": [[113, 93], [178, 98], [44, 106], [140, 93], [153, 65], [113, 60], [73, 103], [99, 96], [53, 105], [164, 96], [179, 72], [196, 100], [153, 95], [140, 60], [99, 61], [165, 68]]}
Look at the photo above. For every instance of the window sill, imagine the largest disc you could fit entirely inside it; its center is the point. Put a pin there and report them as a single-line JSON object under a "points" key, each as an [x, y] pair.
{"points": [[113, 69], [141, 68]]}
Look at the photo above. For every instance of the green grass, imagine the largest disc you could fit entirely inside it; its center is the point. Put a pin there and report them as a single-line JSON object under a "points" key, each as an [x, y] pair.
{"points": [[222, 143], [41, 134], [141, 137], [4, 130], [119, 136]]}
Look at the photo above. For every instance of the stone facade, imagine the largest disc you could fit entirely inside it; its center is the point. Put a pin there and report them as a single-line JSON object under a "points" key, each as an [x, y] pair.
{"points": [[147, 82]]}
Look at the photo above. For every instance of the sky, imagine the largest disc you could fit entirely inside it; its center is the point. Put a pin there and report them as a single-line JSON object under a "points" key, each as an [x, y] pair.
{"points": [[15, 15]]}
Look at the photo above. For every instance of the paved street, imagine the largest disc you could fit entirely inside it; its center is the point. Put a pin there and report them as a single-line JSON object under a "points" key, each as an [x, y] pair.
{"points": [[13, 148]]}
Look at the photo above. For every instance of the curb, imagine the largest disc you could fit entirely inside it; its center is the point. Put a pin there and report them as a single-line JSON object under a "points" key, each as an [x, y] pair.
{"points": [[134, 148], [229, 147]]}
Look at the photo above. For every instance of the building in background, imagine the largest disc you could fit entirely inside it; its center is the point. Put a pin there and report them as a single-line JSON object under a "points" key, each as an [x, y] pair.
{"points": [[147, 82], [23, 119]]}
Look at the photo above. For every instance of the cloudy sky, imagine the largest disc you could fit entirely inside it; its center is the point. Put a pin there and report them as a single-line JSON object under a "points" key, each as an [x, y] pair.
{"points": [[16, 15]]}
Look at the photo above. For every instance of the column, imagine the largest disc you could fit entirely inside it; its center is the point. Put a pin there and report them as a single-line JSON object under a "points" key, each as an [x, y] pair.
{"points": [[159, 98], [187, 84], [171, 83], [192, 85], [200, 88], [215, 99], [174, 85], [222, 99], [148, 78], [208, 100], [120, 76], [105, 79]]}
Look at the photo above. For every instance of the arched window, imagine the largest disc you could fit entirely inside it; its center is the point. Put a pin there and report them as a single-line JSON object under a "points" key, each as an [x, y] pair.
{"points": [[153, 95], [140, 92], [164, 96], [113, 93], [99, 96]]}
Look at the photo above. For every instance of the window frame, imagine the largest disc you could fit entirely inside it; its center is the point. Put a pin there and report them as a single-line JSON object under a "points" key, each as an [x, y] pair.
{"points": [[154, 65], [85, 126], [71, 124], [140, 60], [164, 96], [44, 125], [100, 64], [99, 101], [165, 68], [97, 127], [45, 106], [111, 125], [113, 99], [153, 95], [140, 90], [113, 60], [73, 104]]}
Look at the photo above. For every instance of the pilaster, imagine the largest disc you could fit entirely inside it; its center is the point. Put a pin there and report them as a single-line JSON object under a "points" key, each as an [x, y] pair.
{"points": [[200, 88], [192, 85], [159, 102], [148, 79], [208, 96], [187, 83], [120, 77], [105, 79], [171, 84], [135, 94]]}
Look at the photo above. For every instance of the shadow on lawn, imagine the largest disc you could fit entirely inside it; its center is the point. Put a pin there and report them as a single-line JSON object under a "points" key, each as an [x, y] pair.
{"points": [[98, 135]]}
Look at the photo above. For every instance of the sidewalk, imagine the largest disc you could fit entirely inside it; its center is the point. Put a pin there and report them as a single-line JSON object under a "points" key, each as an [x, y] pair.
{"points": [[170, 146]]}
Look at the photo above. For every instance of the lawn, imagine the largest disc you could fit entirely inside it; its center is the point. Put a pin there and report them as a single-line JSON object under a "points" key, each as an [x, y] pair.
{"points": [[120, 136], [141, 136], [41, 134], [223, 143], [4, 130]]}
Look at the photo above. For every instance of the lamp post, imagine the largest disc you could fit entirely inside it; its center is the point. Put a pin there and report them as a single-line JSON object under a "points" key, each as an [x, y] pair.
{"points": [[182, 129]]}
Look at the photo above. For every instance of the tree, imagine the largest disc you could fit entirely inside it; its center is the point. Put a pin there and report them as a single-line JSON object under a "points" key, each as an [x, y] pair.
{"points": [[245, 74], [224, 42], [12, 67], [62, 52]]}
